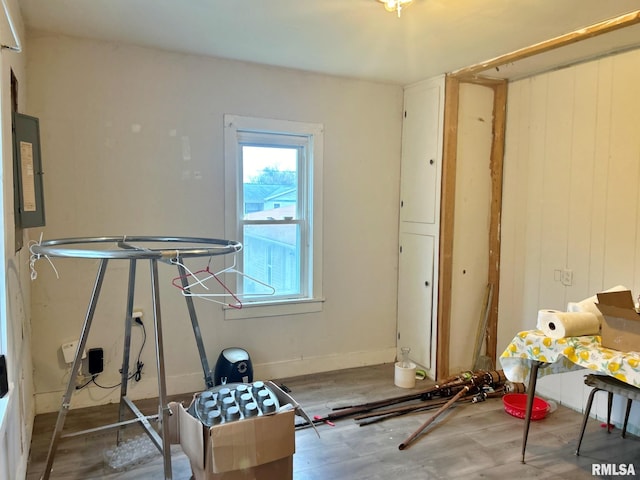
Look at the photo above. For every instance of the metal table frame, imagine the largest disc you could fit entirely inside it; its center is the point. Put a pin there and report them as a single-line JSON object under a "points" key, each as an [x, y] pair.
{"points": [[531, 393], [129, 248]]}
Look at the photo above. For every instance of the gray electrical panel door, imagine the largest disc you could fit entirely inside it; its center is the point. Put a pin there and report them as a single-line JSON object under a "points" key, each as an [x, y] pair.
{"points": [[29, 196]]}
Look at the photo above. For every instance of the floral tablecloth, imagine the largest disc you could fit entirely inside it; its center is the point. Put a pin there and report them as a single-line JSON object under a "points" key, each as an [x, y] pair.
{"points": [[567, 354]]}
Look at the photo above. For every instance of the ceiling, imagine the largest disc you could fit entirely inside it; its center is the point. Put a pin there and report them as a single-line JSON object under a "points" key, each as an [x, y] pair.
{"points": [[353, 38]]}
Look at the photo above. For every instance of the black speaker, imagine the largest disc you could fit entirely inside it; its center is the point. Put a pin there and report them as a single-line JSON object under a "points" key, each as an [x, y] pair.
{"points": [[4, 380], [95, 360]]}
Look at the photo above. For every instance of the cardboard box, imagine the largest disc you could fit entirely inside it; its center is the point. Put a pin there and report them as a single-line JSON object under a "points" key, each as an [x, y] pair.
{"points": [[259, 448], [621, 325], [280, 469]]}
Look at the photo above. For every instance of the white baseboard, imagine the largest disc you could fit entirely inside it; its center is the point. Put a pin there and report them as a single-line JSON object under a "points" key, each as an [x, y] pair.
{"points": [[193, 382], [326, 363]]}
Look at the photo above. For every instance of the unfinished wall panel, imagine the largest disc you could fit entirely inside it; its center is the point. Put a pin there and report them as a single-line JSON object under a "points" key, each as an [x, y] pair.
{"points": [[472, 217], [571, 201]]}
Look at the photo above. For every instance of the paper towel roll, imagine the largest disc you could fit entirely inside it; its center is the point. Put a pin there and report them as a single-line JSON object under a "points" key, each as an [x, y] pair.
{"points": [[589, 304], [586, 307], [544, 317], [568, 324], [594, 298]]}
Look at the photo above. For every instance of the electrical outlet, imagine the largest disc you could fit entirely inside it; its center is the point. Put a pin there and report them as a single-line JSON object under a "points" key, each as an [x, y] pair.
{"points": [[567, 277], [69, 351]]}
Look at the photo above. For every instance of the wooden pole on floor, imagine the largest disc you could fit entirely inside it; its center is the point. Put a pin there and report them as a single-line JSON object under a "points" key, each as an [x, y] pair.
{"points": [[453, 400]]}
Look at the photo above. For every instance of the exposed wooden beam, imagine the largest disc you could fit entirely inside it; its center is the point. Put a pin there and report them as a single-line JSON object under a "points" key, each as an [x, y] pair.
{"points": [[485, 81], [447, 210], [496, 168], [596, 29]]}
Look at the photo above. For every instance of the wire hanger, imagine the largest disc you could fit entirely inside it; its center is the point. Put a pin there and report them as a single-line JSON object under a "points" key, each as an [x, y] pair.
{"points": [[186, 282], [232, 269], [189, 274], [198, 279]]}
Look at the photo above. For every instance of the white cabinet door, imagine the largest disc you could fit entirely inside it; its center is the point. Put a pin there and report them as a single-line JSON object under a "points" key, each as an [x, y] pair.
{"points": [[415, 296], [421, 139], [421, 174]]}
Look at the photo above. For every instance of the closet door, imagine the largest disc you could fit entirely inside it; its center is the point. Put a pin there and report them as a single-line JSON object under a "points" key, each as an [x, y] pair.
{"points": [[415, 295], [420, 154], [421, 173]]}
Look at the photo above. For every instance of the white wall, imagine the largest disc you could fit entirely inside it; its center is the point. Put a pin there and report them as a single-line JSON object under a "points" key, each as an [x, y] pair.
{"points": [[571, 196], [103, 177], [17, 407]]}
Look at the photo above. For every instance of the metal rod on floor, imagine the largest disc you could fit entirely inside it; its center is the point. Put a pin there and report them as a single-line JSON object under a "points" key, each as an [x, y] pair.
{"points": [[381, 415], [407, 408], [494, 378]]}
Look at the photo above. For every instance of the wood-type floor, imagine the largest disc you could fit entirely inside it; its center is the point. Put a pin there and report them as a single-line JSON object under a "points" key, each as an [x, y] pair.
{"points": [[470, 441]]}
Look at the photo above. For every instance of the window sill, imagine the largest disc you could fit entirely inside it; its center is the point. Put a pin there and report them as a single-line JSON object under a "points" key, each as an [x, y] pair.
{"points": [[275, 309]]}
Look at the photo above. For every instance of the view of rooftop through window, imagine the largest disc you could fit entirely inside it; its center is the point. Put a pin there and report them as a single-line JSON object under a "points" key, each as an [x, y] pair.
{"points": [[271, 233]]}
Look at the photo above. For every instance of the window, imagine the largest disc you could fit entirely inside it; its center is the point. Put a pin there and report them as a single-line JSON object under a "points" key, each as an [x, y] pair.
{"points": [[273, 206]]}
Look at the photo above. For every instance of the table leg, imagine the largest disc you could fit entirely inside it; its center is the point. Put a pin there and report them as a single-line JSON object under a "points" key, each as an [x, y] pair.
{"points": [[531, 391]]}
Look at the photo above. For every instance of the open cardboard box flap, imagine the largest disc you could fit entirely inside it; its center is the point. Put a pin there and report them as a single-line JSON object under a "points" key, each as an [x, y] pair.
{"points": [[239, 445], [621, 325]]}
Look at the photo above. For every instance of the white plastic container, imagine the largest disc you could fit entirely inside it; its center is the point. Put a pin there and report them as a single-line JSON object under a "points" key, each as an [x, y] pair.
{"points": [[405, 376]]}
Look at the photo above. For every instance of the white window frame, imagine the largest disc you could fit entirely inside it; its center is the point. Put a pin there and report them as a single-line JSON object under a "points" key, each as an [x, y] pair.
{"points": [[236, 129]]}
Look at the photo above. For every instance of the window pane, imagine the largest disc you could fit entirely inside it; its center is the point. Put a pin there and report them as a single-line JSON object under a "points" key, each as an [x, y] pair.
{"points": [[270, 182], [272, 170], [272, 255]]}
